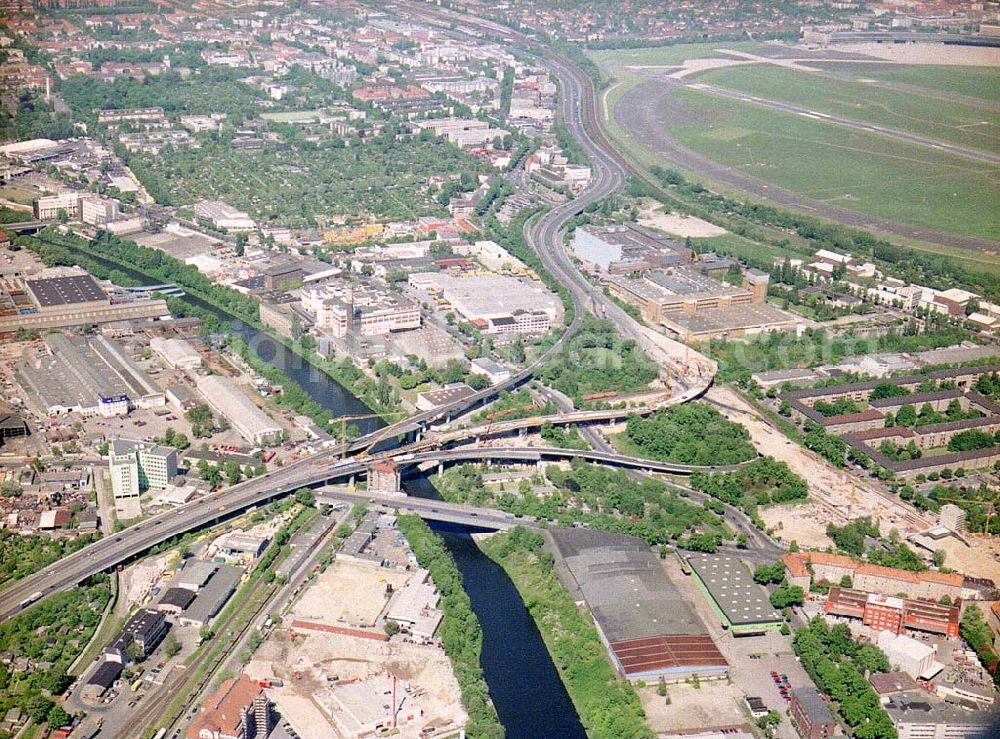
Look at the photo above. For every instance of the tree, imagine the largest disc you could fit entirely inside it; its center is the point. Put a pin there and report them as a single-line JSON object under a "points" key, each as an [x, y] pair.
{"points": [[57, 717], [241, 244], [391, 627], [939, 557], [306, 497], [787, 595], [172, 646], [772, 573]]}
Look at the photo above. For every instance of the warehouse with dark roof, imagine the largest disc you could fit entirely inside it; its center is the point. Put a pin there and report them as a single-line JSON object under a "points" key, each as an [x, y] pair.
{"points": [[649, 629]]}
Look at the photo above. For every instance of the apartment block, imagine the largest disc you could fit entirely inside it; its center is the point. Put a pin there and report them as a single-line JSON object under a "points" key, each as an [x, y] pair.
{"points": [[136, 467]]}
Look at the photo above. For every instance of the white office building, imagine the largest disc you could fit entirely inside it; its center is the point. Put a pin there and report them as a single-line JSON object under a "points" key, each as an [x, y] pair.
{"points": [[136, 467]]}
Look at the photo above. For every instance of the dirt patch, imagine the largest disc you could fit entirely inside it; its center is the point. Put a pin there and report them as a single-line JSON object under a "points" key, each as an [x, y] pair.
{"points": [[678, 225], [714, 704], [805, 524], [313, 662], [349, 594]]}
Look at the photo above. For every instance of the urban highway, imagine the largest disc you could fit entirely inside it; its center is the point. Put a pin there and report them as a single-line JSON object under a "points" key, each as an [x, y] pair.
{"points": [[545, 235]]}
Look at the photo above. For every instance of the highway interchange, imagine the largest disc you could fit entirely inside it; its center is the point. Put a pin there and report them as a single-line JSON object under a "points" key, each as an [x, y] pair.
{"points": [[545, 234]]}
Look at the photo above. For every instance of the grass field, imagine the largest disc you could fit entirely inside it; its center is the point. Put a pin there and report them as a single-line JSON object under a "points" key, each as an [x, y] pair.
{"points": [[927, 115], [859, 170], [665, 55], [975, 82], [853, 169]]}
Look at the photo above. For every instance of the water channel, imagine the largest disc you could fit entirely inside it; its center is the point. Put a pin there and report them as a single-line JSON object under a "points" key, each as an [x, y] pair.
{"points": [[529, 696]]}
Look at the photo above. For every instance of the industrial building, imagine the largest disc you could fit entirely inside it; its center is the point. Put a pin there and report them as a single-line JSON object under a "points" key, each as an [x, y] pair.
{"points": [[431, 399], [12, 424], [103, 678], [368, 707], [697, 307], [63, 297], [495, 303], [223, 216], [145, 630], [87, 376], [212, 596], [892, 613], [136, 466], [242, 413], [741, 603], [915, 658], [177, 353], [342, 308], [643, 620], [628, 248], [415, 606], [917, 715]]}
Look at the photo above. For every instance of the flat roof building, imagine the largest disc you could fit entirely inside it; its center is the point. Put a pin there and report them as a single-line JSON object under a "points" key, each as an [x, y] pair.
{"points": [[212, 596], [742, 604], [53, 292], [431, 399], [242, 413], [87, 376], [642, 618], [627, 248], [136, 466], [177, 353], [145, 629]]}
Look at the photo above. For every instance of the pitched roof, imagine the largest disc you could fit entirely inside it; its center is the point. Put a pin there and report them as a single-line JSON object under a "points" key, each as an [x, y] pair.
{"points": [[221, 710]]}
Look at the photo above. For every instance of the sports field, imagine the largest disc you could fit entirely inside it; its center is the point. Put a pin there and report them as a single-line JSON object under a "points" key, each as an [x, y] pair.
{"points": [[831, 163]]}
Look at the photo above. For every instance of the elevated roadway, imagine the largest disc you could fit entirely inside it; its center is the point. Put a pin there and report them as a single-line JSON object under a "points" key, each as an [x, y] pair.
{"points": [[545, 235]]}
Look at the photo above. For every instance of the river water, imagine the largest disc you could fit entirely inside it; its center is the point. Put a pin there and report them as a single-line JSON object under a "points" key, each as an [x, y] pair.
{"points": [[529, 696]]}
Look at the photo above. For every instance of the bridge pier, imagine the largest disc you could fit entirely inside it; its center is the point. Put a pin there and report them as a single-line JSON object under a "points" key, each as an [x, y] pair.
{"points": [[440, 468], [540, 467], [351, 481], [522, 432]]}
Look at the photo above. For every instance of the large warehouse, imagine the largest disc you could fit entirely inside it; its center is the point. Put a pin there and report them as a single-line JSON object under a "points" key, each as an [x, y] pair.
{"points": [[742, 604], [649, 629], [87, 376], [228, 400]]}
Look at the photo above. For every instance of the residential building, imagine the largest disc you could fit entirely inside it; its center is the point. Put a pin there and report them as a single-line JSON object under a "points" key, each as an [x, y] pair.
{"points": [[813, 718], [239, 709], [136, 466]]}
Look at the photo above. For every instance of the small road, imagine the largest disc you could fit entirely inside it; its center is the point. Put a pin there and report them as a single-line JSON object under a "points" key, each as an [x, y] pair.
{"points": [[893, 133]]}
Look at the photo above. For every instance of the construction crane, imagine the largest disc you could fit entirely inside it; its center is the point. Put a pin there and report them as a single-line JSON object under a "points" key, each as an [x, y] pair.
{"points": [[988, 504]]}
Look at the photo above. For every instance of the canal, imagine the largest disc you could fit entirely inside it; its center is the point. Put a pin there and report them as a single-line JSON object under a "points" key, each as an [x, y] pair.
{"points": [[529, 696]]}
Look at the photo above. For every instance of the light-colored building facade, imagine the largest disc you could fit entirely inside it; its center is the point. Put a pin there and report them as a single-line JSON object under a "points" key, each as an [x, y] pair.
{"points": [[136, 467]]}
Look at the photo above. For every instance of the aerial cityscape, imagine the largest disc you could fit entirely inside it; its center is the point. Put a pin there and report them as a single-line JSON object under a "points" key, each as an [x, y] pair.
{"points": [[541, 369]]}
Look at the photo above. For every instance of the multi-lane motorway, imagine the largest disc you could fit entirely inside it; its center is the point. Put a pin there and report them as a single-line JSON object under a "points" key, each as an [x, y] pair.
{"points": [[545, 235]]}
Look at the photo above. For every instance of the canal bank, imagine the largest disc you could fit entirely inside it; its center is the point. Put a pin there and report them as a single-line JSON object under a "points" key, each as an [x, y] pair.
{"points": [[527, 692], [523, 683], [318, 384]]}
